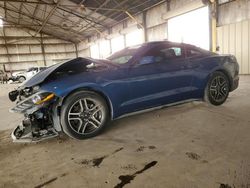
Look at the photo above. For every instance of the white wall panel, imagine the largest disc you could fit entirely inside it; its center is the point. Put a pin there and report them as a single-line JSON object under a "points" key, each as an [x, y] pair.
{"points": [[2, 42], [69, 47], [2, 50], [35, 49], [53, 48], [225, 39], [234, 39], [25, 51], [154, 15], [84, 53], [22, 49], [21, 65], [245, 47], [157, 33], [238, 46]]}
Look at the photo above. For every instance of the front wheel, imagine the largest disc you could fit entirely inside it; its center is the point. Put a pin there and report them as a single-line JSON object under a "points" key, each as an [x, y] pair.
{"points": [[217, 89], [84, 114], [21, 79]]}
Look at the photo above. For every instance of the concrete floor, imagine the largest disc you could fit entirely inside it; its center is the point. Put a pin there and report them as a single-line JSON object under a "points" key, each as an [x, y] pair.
{"points": [[191, 145]]}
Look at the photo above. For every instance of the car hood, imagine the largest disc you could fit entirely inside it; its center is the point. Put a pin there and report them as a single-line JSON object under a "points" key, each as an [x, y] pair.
{"points": [[41, 76]]}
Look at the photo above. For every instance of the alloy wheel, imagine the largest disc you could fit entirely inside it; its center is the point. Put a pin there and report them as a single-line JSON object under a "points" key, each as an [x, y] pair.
{"points": [[219, 88], [86, 115]]}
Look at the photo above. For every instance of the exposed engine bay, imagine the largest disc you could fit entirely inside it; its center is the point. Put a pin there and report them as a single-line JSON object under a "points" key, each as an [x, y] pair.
{"points": [[38, 112]]}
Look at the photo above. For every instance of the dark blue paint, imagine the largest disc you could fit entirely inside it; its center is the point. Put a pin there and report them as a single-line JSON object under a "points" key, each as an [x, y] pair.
{"points": [[133, 87]]}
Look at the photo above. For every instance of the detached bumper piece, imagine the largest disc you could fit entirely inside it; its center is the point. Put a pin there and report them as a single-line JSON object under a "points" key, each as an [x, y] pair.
{"points": [[33, 130], [25, 134]]}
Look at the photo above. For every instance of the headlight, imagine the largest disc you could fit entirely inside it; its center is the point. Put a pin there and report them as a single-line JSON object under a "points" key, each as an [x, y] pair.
{"points": [[36, 99], [42, 98]]}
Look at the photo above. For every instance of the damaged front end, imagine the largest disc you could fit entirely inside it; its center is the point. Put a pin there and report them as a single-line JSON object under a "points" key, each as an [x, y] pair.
{"points": [[40, 114], [40, 98]]}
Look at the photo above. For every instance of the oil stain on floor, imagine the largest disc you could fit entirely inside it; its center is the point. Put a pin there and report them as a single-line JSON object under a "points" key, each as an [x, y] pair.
{"points": [[126, 179], [96, 162]]}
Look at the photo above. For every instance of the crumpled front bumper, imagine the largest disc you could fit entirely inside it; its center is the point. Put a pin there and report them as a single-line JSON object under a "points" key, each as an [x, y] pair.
{"points": [[24, 134], [33, 128]]}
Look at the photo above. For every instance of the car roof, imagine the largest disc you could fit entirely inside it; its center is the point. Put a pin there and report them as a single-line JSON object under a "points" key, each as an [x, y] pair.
{"points": [[167, 42], [159, 43]]}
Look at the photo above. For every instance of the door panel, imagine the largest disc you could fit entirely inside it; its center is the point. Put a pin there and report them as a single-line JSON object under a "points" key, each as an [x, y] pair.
{"points": [[177, 80], [144, 87], [159, 83]]}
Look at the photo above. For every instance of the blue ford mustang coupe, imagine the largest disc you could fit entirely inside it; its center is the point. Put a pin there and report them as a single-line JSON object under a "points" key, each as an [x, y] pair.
{"points": [[81, 96]]}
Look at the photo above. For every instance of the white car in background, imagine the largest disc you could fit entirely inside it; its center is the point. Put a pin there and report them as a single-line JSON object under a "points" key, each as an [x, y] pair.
{"points": [[25, 75]]}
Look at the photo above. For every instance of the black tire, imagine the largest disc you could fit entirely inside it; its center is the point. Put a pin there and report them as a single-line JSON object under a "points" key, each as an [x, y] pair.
{"points": [[217, 89], [85, 125], [21, 79]]}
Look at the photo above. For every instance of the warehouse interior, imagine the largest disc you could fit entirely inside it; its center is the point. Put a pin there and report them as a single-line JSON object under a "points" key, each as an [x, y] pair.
{"points": [[191, 145]]}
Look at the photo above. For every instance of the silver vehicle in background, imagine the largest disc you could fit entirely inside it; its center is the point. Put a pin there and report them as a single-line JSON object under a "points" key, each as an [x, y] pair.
{"points": [[25, 75]]}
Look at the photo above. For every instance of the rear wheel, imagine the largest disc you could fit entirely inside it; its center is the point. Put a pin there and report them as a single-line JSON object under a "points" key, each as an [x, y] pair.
{"points": [[217, 89], [84, 114]]}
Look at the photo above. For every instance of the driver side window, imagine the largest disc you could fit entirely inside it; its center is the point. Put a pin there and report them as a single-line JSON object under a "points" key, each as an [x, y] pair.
{"points": [[150, 59], [152, 56], [172, 53], [162, 54]]}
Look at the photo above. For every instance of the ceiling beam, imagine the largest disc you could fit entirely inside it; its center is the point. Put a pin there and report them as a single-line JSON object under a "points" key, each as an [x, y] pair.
{"points": [[80, 16], [60, 7], [40, 20], [47, 18], [25, 1], [20, 10], [107, 15]]}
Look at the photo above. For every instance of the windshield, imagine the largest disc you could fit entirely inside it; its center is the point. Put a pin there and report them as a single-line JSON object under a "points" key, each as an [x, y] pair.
{"points": [[124, 55]]}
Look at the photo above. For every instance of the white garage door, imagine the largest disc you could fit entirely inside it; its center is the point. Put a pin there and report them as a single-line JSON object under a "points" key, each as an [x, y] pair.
{"points": [[192, 28]]}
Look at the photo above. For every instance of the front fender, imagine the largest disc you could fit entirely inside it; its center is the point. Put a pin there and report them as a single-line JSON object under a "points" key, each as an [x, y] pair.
{"points": [[64, 92]]}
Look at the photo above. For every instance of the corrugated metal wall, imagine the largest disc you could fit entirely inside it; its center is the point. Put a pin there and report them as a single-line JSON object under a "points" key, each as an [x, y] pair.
{"points": [[21, 49], [234, 39]]}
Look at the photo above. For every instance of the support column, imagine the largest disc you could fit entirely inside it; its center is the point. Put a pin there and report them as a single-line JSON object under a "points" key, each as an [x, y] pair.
{"points": [[43, 51], [76, 50], [213, 25], [144, 23], [5, 43]]}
